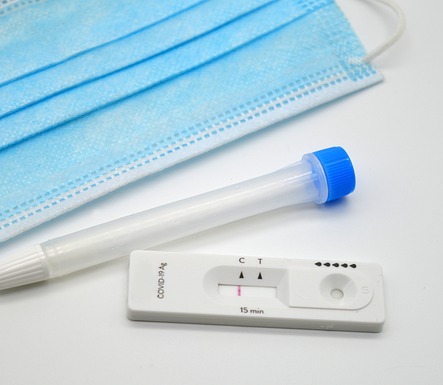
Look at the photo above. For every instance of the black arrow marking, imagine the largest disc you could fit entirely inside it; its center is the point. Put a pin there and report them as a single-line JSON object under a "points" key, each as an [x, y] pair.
{"points": [[327, 264], [336, 265], [241, 275], [344, 265], [353, 265], [259, 276], [318, 263]]}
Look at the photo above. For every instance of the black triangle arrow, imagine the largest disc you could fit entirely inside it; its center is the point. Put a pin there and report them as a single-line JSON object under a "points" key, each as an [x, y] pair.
{"points": [[241, 275], [259, 276]]}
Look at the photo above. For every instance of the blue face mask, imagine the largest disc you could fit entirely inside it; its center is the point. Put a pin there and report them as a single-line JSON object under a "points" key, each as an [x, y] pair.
{"points": [[138, 97]]}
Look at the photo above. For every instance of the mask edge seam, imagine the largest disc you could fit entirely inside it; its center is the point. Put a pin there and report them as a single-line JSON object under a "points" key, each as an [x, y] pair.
{"points": [[17, 5]]}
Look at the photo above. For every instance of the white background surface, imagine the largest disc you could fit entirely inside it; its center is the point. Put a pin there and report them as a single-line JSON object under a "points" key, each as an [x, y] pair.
{"points": [[74, 330]]}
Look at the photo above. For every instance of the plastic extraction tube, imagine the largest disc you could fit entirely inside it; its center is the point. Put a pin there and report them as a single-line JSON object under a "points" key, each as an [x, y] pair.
{"points": [[319, 177]]}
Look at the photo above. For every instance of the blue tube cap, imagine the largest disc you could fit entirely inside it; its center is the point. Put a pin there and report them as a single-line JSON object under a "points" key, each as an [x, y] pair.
{"points": [[338, 171]]}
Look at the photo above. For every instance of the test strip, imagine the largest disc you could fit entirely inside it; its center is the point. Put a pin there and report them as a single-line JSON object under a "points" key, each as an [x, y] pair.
{"points": [[255, 291]]}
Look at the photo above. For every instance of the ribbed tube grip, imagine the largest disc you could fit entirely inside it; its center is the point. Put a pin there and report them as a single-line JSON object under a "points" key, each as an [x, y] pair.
{"points": [[24, 267]]}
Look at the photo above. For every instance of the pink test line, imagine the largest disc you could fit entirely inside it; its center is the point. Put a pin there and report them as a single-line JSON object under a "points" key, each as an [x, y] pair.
{"points": [[239, 291]]}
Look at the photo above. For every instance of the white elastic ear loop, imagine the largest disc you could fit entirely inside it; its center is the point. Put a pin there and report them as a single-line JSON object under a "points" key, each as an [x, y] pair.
{"points": [[395, 37]]}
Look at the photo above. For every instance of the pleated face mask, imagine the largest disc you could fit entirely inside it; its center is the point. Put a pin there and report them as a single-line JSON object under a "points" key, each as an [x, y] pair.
{"points": [[97, 94]]}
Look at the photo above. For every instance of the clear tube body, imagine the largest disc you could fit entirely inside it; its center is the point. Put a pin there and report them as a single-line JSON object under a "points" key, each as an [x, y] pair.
{"points": [[294, 184]]}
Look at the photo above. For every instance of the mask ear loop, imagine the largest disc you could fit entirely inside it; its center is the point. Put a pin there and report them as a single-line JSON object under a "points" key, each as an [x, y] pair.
{"points": [[401, 25]]}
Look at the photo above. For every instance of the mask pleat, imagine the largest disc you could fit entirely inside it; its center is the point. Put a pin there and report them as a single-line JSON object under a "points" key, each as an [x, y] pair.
{"points": [[102, 92], [45, 33], [118, 55]]}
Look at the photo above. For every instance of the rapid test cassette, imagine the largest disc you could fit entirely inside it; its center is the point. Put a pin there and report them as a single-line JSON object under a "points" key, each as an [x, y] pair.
{"points": [[255, 291]]}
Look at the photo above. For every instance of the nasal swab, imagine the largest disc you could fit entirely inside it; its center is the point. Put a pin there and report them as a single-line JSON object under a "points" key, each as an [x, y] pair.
{"points": [[319, 177]]}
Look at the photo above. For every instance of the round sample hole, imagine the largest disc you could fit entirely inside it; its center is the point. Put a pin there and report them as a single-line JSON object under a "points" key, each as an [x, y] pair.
{"points": [[337, 294], [338, 289]]}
